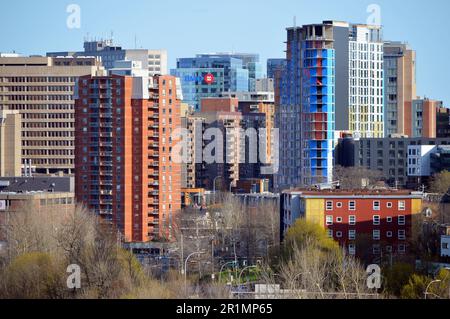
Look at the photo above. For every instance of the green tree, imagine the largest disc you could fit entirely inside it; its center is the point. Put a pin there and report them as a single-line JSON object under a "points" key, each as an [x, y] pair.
{"points": [[440, 183], [416, 286], [303, 233], [396, 277], [33, 276]]}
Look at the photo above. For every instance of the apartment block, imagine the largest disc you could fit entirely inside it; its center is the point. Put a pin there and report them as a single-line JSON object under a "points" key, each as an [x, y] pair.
{"points": [[386, 155], [424, 117], [10, 144], [400, 87], [368, 223], [153, 61], [123, 153], [42, 90]]}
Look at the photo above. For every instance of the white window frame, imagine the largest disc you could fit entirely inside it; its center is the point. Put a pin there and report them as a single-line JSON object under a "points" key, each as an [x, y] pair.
{"points": [[402, 248], [352, 249], [352, 234], [389, 219], [352, 220], [401, 234], [329, 220], [401, 205], [329, 205], [389, 234], [402, 220], [376, 205], [339, 219], [376, 234], [350, 204], [339, 205], [330, 233], [376, 220], [338, 234], [389, 205]]}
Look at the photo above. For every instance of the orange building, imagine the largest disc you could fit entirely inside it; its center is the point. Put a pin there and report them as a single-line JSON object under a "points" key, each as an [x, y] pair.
{"points": [[124, 170]]}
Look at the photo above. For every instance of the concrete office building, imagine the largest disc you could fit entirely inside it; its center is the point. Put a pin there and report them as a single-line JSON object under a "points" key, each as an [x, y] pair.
{"points": [[123, 153], [42, 89], [400, 87], [387, 155], [155, 61], [10, 143]]}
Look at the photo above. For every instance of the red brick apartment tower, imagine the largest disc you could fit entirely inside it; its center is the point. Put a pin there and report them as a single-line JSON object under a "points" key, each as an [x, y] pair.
{"points": [[123, 153]]}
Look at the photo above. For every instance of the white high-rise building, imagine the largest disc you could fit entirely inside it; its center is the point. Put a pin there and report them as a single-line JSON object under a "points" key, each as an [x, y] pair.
{"points": [[366, 113]]}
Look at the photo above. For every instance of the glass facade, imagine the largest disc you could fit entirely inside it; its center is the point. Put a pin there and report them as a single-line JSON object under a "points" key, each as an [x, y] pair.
{"points": [[229, 75]]}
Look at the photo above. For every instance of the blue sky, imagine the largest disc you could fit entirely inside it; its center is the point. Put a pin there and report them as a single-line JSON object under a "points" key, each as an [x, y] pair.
{"points": [[186, 27]]}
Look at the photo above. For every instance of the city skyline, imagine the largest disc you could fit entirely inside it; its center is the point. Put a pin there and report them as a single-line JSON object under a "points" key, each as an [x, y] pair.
{"points": [[193, 22]]}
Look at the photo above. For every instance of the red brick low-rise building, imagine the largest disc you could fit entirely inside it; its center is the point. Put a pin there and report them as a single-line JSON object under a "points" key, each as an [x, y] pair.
{"points": [[368, 223]]}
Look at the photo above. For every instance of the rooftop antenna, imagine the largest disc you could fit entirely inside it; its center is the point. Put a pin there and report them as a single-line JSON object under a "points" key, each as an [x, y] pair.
{"points": [[135, 41]]}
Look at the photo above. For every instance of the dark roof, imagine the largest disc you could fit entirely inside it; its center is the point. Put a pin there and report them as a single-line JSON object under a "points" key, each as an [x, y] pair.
{"points": [[36, 184]]}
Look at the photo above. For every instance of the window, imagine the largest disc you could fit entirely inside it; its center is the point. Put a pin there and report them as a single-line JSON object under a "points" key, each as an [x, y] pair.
{"points": [[389, 205], [329, 205], [352, 234], [376, 234], [330, 233], [352, 220], [352, 249], [401, 249], [352, 205], [401, 235], [389, 219], [401, 205], [389, 234], [329, 220], [376, 249], [376, 205], [339, 234], [338, 219], [376, 220], [401, 220], [389, 249], [339, 205]]}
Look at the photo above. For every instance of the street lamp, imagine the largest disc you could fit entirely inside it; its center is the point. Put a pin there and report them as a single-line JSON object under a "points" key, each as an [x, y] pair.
{"points": [[429, 285], [240, 275], [185, 267], [221, 269]]}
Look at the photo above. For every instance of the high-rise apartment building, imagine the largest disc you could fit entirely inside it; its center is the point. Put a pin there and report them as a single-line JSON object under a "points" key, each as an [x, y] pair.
{"points": [[424, 117], [42, 90], [10, 144], [400, 87], [155, 61], [312, 104], [366, 82], [124, 153], [210, 75]]}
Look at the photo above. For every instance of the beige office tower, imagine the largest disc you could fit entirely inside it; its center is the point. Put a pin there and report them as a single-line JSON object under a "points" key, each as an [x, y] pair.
{"points": [[41, 89], [400, 87], [10, 144]]}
